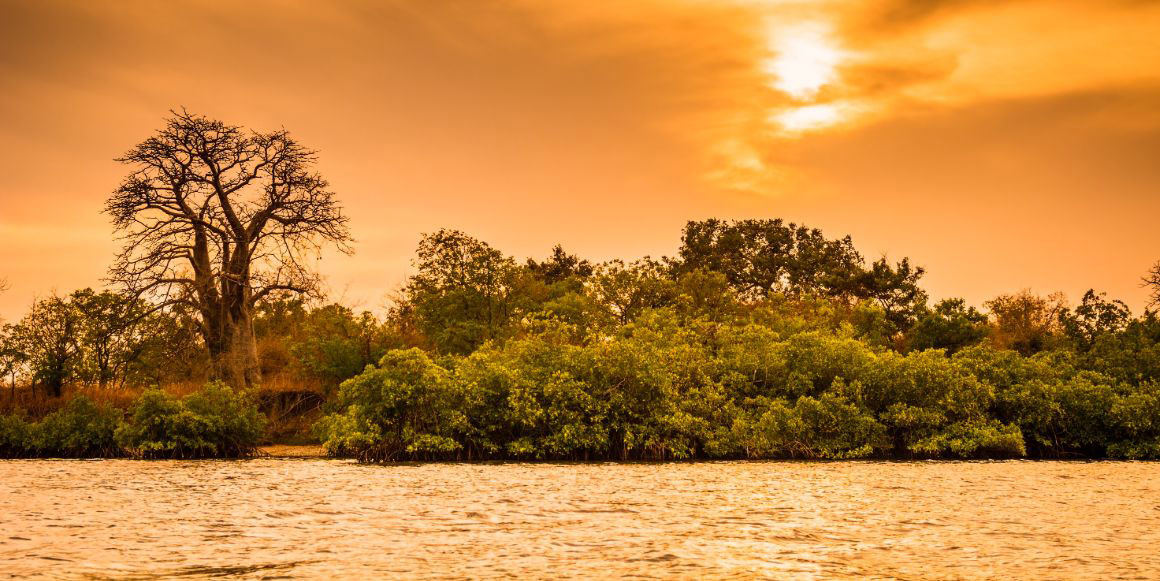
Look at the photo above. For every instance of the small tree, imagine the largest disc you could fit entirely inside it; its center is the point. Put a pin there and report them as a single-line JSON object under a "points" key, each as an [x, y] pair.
{"points": [[950, 325], [217, 217], [560, 267], [1025, 322], [48, 338], [111, 333], [12, 356], [625, 290], [464, 291], [1095, 316], [895, 289]]}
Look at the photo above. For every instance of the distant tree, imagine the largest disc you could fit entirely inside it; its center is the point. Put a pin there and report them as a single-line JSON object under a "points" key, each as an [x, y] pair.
{"points": [[464, 291], [895, 289], [173, 349], [49, 337], [625, 290], [1024, 321], [12, 356], [560, 266], [1152, 283], [1094, 316], [336, 344], [706, 295], [218, 218], [950, 325], [760, 257], [112, 334]]}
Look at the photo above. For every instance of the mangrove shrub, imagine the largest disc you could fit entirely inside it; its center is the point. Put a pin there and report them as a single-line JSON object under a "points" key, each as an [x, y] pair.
{"points": [[214, 422]]}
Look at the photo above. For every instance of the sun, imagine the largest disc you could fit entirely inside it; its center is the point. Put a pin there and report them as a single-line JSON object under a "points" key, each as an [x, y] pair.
{"points": [[805, 59]]}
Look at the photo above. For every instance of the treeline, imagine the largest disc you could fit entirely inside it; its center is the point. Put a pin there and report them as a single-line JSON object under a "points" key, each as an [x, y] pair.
{"points": [[109, 341], [760, 339]]}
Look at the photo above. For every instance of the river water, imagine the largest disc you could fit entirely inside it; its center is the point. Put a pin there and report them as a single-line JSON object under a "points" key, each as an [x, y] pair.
{"points": [[273, 518]]}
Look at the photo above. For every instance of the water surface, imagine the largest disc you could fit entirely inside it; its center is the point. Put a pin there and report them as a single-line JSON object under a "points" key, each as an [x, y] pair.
{"points": [[274, 518]]}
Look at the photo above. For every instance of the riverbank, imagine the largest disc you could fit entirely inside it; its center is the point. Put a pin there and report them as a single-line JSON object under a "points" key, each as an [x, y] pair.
{"points": [[292, 451]]}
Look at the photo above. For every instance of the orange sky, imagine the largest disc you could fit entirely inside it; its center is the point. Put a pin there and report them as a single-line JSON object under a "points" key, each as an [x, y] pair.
{"points": [[1002, 145]]}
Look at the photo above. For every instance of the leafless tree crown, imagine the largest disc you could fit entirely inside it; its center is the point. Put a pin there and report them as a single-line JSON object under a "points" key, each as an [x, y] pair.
{"points": [[212, 210]]}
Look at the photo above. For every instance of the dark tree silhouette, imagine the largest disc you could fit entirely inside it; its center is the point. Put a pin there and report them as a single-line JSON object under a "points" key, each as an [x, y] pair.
{"points": [[762, 257], [1152, 282], [218, 217]]}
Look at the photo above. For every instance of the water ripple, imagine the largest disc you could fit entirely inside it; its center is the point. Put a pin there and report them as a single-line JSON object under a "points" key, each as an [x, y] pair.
{"points": [[286, 519]]}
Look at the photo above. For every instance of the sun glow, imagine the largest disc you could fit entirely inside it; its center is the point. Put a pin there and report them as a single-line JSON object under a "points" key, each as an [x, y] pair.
{"points": [[809, 118], [806, 59]]}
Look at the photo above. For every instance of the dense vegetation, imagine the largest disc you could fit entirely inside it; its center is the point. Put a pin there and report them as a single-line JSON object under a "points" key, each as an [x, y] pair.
{"points": [[676, 384], [215, 421], [760, 339]]}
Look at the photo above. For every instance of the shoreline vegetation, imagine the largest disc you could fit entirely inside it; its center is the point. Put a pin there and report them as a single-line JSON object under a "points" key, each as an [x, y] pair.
{"points": [[484, 358], [760, 339]]}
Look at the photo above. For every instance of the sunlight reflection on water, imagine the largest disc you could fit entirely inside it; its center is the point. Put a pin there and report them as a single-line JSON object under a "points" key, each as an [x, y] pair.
{"points": [[317, 518]]}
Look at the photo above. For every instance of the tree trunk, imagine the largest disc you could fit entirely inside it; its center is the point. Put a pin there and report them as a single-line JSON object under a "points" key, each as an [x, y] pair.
{"points": [[55, 386], [234, 351]]}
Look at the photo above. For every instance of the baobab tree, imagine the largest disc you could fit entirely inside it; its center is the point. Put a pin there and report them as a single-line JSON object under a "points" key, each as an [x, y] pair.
{"points": [[217, 218]]}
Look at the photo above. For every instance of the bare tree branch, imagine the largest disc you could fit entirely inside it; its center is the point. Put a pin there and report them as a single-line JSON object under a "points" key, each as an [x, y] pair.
{"points": [[219, 217], [1151, 281]]}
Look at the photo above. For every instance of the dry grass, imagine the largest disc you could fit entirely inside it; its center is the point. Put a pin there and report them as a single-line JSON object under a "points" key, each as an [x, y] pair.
{"points": [[37, 404]]}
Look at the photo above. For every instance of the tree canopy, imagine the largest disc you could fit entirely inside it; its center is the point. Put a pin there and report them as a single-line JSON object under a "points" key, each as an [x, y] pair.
{"points": [[216, 217]]}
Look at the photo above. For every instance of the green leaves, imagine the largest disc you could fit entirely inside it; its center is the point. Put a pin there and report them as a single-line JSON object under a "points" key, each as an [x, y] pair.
{"points": [[214, 422], [673, 386], [81, 429], [406, 406]]}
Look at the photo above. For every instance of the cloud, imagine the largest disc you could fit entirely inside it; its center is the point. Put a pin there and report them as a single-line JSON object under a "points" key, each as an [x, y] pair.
{"points": [[599, 124]]}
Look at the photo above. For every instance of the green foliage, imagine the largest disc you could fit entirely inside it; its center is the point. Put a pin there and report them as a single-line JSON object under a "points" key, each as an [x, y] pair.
{"points": [[1131, 355], [1094, 317], [81, 429], [670, 385], [626, 290], [762, 257], [465, 292], [49, 338], [214, 422], [895, 289], [335, 344], [1137, 417], [102, 338], [763, 339], [404, 407], [973, 439], [827, 427], [14, 436], [951, 325]]}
